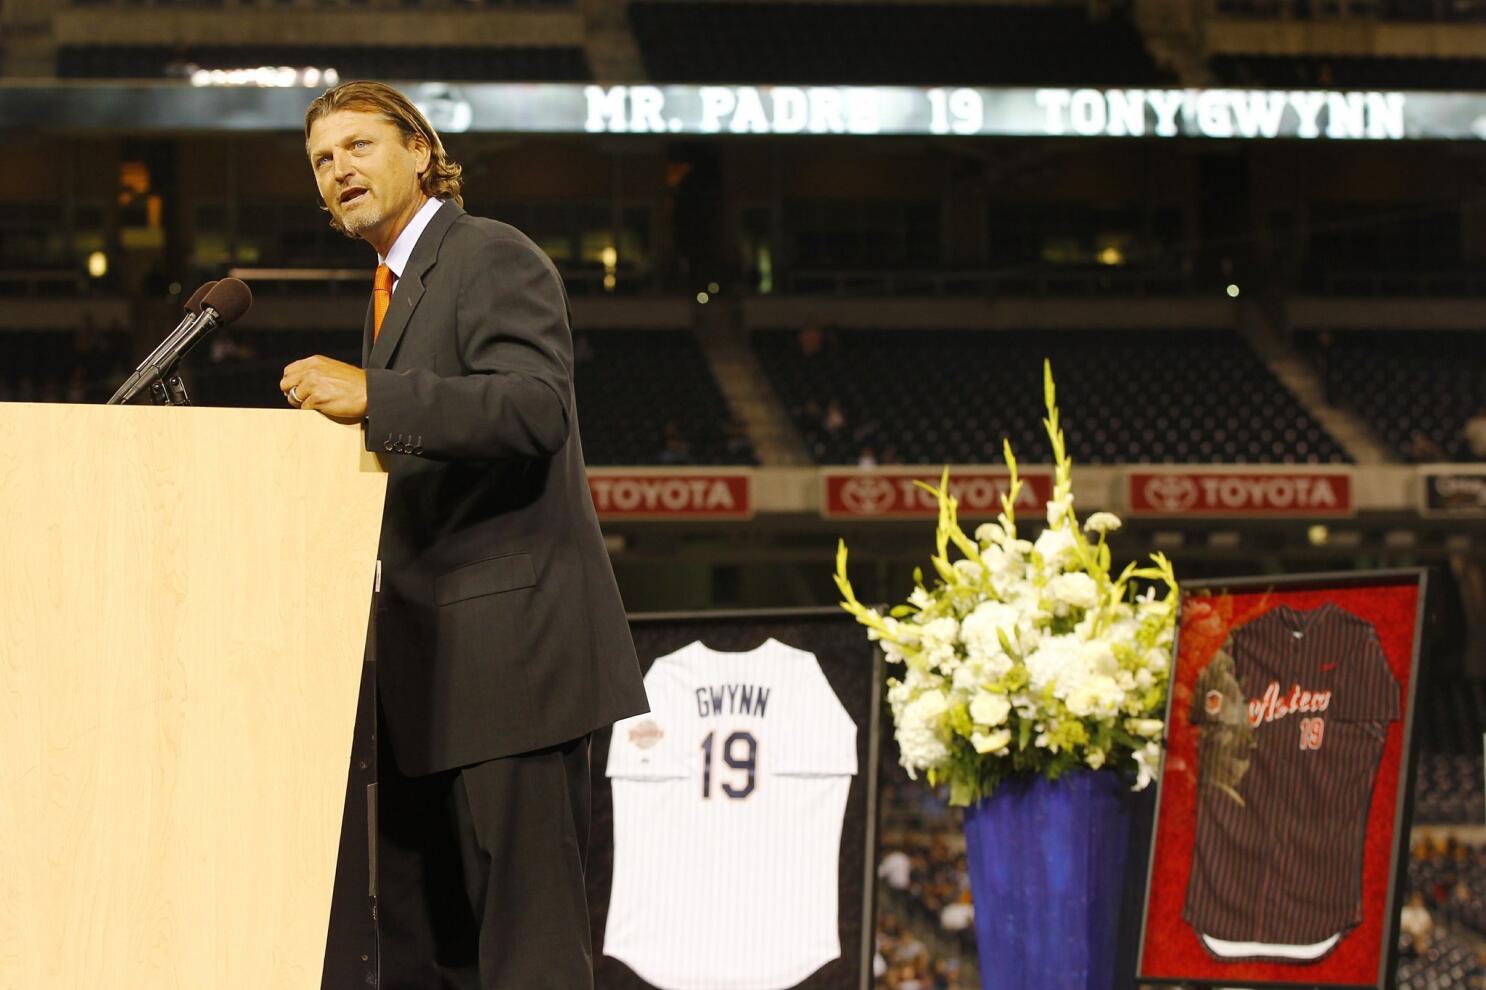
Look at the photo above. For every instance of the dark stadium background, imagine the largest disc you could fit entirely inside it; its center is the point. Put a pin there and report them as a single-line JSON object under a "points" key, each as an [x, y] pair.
{"points": [[775, 305]]}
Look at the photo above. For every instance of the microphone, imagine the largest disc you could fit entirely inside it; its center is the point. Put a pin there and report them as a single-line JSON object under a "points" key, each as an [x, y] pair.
{"points": [[224, 303], [193, 309], [193, 305], [213, 305]]}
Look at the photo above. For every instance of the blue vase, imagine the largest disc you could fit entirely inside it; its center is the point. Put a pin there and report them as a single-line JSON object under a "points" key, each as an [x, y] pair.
{"points": [[1047, 864]]}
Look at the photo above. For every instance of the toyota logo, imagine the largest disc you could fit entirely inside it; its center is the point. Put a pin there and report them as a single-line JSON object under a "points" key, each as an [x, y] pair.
{"points": [[867, 496], [1171, 492]]}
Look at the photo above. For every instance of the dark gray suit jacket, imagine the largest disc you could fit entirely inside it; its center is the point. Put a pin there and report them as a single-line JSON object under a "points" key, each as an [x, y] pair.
{"points": [[499, 626]]}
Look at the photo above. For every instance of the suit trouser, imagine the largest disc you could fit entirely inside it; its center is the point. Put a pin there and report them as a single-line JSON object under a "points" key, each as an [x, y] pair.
{"points": [[480, 873]]}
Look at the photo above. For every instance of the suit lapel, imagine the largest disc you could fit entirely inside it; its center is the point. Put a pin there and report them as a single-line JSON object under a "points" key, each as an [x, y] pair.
{"points": [[366, 333], [409, 288]]}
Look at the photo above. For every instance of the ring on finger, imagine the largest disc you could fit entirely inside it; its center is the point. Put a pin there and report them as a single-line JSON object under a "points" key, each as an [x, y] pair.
{"points": [[294, 395]]}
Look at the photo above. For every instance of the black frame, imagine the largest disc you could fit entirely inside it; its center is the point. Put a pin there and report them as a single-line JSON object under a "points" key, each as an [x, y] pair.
{"points": [[873, 729], [1403, 799]]}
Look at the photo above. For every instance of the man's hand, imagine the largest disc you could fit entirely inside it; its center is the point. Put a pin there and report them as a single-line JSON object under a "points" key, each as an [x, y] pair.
{"points": [[332, 387]]}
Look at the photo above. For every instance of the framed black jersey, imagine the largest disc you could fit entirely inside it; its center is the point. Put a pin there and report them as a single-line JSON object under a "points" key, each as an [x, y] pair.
{"points": [[1283, 797]]}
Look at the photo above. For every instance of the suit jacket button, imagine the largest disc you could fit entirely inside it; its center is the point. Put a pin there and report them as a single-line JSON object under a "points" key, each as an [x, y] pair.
{"points": [[387, 444]]}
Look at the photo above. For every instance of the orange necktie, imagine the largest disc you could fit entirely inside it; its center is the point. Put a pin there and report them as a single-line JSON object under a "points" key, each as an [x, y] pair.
{"points": [[381, 298]]}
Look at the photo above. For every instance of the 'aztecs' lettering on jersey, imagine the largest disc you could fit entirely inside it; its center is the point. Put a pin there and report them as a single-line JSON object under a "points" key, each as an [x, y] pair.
{"points": [[1272, 707], [732, 699], [1282, 803]]}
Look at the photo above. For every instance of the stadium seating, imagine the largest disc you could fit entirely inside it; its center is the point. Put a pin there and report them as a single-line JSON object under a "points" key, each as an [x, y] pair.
{"points": [[1448, 790], [243, 368], [1349, 72], [1414, 389], [1393, 10], [644, 397], [1453, 711], [1450, 964], [323, 4], [50, 366], [648, 397], [1127, 397], [1450, 874], [881, 44], [559, 64]]}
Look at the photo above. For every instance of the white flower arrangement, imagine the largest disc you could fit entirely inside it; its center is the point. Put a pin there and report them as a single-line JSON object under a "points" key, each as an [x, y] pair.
{"points": [[1027, 657]]}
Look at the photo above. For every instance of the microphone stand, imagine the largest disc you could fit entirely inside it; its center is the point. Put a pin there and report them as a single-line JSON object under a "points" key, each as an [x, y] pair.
{"points": [[158, 370], [170, 392]]}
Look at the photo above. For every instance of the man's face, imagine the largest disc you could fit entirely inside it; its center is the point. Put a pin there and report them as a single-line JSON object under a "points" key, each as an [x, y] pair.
{"points": [[367, 173]]}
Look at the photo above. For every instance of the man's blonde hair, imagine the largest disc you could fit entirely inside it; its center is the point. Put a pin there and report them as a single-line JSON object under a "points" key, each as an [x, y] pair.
{"points": [[441, 180]]}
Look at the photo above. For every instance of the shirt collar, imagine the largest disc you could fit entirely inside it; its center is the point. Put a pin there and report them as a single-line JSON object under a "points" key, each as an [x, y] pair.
{"points": [[402, 248]]}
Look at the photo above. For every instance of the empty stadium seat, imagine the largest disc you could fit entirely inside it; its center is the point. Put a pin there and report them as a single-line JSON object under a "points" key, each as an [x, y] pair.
{"points": [[1127, 397], [885, 44], [635, 386], [1350, 72], [1409, 386]]}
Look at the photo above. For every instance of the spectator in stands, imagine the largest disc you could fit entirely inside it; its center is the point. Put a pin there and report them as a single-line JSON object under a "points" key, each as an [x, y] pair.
{"points": [[227, 348], [812, 340], [1474, 434], [959, 914], [867, 459], [1416, 926], [582, 349], [737, 443], [946, 974], [676, 449], [77, 384], [896, 869], [833, 420], [1324, 365], [1423, 450]]}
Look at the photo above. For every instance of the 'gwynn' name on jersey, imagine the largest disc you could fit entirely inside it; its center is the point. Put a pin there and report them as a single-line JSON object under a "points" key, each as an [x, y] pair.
{"points": [[732, 699]]}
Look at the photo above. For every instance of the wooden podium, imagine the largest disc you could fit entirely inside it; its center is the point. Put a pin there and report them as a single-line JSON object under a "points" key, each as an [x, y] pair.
{"points": [[183, 609]]}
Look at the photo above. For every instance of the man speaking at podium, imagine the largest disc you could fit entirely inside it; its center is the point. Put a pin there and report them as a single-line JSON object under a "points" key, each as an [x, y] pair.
{"points": [[501, 639]]}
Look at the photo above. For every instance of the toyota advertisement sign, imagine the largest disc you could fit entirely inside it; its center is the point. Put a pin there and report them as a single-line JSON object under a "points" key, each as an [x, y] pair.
{"points": [[894, 493], [1238, 494], [673, 495]]}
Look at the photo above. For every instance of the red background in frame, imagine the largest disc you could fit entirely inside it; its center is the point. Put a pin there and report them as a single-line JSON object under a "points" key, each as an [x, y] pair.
{"points": [[1172, 949]]}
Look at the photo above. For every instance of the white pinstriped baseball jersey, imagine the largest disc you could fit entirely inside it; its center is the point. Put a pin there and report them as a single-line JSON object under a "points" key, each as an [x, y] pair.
{"points": [[728, 803]]}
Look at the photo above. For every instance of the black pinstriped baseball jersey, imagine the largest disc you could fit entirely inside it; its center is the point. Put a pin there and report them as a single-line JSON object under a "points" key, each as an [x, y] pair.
{"points": [[1277, 866]]}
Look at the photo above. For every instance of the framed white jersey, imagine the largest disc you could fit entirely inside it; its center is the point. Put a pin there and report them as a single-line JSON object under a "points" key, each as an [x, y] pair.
{"points": [[728, 801]]}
